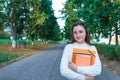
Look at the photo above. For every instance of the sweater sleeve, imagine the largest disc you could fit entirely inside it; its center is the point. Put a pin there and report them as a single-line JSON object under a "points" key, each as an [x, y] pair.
{"points": [[64, 70], [93, 70]]}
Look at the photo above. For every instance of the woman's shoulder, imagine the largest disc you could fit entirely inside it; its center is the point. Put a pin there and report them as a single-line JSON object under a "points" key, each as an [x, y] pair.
{"points": [[92, 46], [69, 45]]}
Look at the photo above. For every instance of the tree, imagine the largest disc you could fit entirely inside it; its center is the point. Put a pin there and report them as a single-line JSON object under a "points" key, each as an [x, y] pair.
{"points": [[1, 21], [2, 15], [15, 13], [101, 21], [22, 19], [12, 9], [70, 15], [32, 18], [50, 29], [37, 17]]}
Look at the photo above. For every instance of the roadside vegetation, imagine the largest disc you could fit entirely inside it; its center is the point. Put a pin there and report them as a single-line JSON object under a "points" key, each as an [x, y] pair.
{"points": [[110, 51], [22, 24], [9, 54]]}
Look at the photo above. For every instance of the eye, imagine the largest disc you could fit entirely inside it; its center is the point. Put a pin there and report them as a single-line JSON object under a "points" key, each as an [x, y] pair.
{"points": [[74, 32], [80, 31]]}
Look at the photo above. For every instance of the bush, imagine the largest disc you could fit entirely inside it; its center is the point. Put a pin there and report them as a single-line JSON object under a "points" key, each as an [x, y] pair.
{"points": [[111, 51]]}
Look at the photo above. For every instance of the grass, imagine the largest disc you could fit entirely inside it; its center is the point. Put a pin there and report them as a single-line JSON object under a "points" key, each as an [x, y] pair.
{"points": [[5, 40], [9, 41], [4, 57], [9, 54]]}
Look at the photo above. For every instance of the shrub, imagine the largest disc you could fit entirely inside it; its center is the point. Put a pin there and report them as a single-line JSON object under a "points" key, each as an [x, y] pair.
{"points": [[111, 51]]}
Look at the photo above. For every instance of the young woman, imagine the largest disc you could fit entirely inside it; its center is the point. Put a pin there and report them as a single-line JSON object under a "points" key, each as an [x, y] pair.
{"points": [[80, 40]]}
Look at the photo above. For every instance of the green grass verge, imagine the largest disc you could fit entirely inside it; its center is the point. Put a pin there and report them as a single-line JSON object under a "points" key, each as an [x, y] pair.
{"points": [[9, 41], [4, 57], [5, 40]]}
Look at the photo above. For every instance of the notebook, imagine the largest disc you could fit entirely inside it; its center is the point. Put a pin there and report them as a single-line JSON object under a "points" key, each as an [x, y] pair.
{"points": [[83, 57]]}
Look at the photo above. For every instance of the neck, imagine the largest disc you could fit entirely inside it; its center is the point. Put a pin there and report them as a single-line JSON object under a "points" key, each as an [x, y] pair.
{"points": [[81, 42]]}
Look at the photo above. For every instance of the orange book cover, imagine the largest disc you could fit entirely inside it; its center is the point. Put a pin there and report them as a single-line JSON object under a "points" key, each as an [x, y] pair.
{"points": [[83, 57]]}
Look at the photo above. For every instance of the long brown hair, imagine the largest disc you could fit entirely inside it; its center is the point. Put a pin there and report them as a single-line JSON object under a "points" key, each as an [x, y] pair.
{"points": [[87, 37]]}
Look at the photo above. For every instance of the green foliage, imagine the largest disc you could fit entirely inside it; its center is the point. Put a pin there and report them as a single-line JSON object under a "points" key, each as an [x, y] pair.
{"points": [[50, 29], [4, 57], [4, 35], [37, 16], [55, 33], [31, 18], [101, 21], [36, 19], [116, 1], [111, 51], [70, 15]]}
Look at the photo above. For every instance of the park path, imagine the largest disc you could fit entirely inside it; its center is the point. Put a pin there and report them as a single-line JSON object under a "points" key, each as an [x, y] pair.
{"points": [[43, 66]]}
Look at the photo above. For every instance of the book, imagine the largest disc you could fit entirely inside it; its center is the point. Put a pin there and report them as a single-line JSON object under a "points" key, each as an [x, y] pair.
{"points": [[83, 57]]}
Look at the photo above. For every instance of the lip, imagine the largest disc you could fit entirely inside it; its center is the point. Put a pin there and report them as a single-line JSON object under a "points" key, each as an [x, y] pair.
{"points": [[78, 38]]}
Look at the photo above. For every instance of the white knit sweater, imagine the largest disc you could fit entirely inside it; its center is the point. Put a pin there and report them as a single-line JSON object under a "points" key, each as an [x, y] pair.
{"points": [[93, 70]]}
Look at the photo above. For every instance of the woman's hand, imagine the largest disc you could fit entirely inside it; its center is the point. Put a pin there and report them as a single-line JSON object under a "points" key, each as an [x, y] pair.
{"points": [[89, 78], [72, 66]]}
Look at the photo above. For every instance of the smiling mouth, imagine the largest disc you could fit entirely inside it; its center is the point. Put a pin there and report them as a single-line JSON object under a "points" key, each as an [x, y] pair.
{"points": [[78, 38]]}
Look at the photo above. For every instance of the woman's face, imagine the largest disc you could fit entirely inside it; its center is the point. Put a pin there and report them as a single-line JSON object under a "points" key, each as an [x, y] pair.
{"points": [[79, 33]]}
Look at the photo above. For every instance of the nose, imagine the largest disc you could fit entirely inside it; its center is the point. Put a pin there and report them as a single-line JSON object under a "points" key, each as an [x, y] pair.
{"points": [[78, 34]]}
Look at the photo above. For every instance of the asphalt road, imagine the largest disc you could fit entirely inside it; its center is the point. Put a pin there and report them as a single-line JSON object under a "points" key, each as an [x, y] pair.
{"points": [[43, 66]]}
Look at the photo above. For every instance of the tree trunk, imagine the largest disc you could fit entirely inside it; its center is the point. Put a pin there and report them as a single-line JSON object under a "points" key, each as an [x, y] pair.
{"points": [[14, 44], [33, 42], [110, 37], [14, 33], [116, 35]]}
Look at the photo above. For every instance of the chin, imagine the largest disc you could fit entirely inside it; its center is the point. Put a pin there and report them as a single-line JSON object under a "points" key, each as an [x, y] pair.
{"points": [[80, 41]]}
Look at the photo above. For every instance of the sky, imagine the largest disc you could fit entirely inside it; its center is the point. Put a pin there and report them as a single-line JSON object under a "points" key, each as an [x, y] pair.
{"points": [[58, 5]]}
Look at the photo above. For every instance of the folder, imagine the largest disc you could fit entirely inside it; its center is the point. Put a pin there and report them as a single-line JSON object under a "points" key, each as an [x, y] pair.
{"points": [[83, 57]]}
